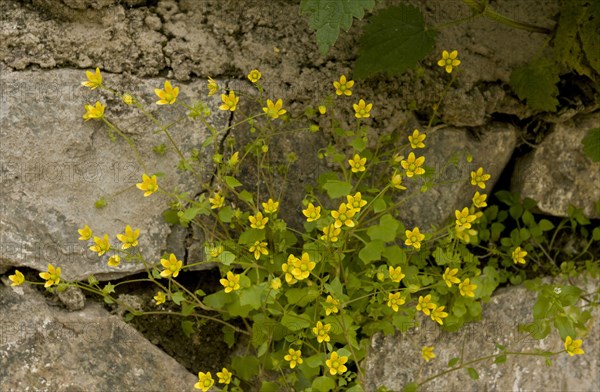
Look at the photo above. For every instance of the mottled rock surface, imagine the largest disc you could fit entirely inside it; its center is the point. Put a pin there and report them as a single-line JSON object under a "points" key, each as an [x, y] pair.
{"points": [[557, 173], [395, 361], [47, 348], [55, 166]]}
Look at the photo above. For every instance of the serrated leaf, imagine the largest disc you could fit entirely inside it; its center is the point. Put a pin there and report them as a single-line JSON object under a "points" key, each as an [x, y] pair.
{"points": [[327, 17], [589, 33], [371, 252], [178, 297], [567, 47], [535, 83], [395, 40], [386, 229], [591, 144], [295, 322]]}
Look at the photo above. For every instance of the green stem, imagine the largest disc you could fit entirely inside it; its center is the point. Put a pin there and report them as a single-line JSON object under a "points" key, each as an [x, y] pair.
{"points": [[482, 8]]}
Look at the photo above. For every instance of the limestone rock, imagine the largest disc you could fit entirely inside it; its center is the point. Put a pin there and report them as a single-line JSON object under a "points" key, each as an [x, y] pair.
{"points": [[491, 150], [395, 361], [55, 166], [47, 348], [557, 173]]}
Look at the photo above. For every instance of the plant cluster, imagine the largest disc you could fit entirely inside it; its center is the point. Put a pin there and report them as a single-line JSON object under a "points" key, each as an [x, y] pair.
{"points": [[305, 303]]}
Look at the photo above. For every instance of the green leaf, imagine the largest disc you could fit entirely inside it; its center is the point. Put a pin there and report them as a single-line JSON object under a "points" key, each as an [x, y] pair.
{"points": [[225, 214], [188, 327], [217, 300], [445, 257], [589, 33], [371, 252], [386, 229], [336, 188], [393, 41], [535, 83], [327, 17], [323, 384], [591, 144], [473, 373], [246, 196], [295, 322], [187, 308], [546, 225], [411, 387], [379, 205], [500, 359], [567, 46], [453, 362], [245, 367], [232, 182], [178, 297], [252, 296], [565, 326], [269, 386]]}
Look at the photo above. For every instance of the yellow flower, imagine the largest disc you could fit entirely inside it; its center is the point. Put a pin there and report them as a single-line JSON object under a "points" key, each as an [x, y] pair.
{"points": [[312, 213], [449, 60], [412, 165], [573, 347], [518, 255], [479, 200], [231, 283], [464, 219], [322, 332], [331, 305], [355, 202], [160, 298], [276, 284], [229, 102], [149, 185], [357, 164], [168, 95], [259, 248], [172, 266], [416, 140], [254, 75], [216, 251], [294, 357], [287, 269], [257, 221], [322, 109], [234, 160], [479, 178], [17, 279], [464, 234], [414, 238], [394, 301], [425, 304], [343, 86], [362, 110], [270, 206], [343, 216], [114, 261], [396, 274], [301, 268], [85, 233], [94, 79], [225, 375], [52, 276], [437, 314], [94, 112], [213, 87], [128, 99], [427, 353], [450, 276], [331, 233], [216, 201], [466, 288], [274, 110], [205, 381], [336, 364], [130, 238], [397, 181], [102, 245]]}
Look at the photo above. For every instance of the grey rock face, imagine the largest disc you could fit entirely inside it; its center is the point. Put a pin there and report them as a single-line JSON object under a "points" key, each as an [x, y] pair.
{"points": [[395, 361], [55, 166], [492, 151], [45, 348], [557, 173]]}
